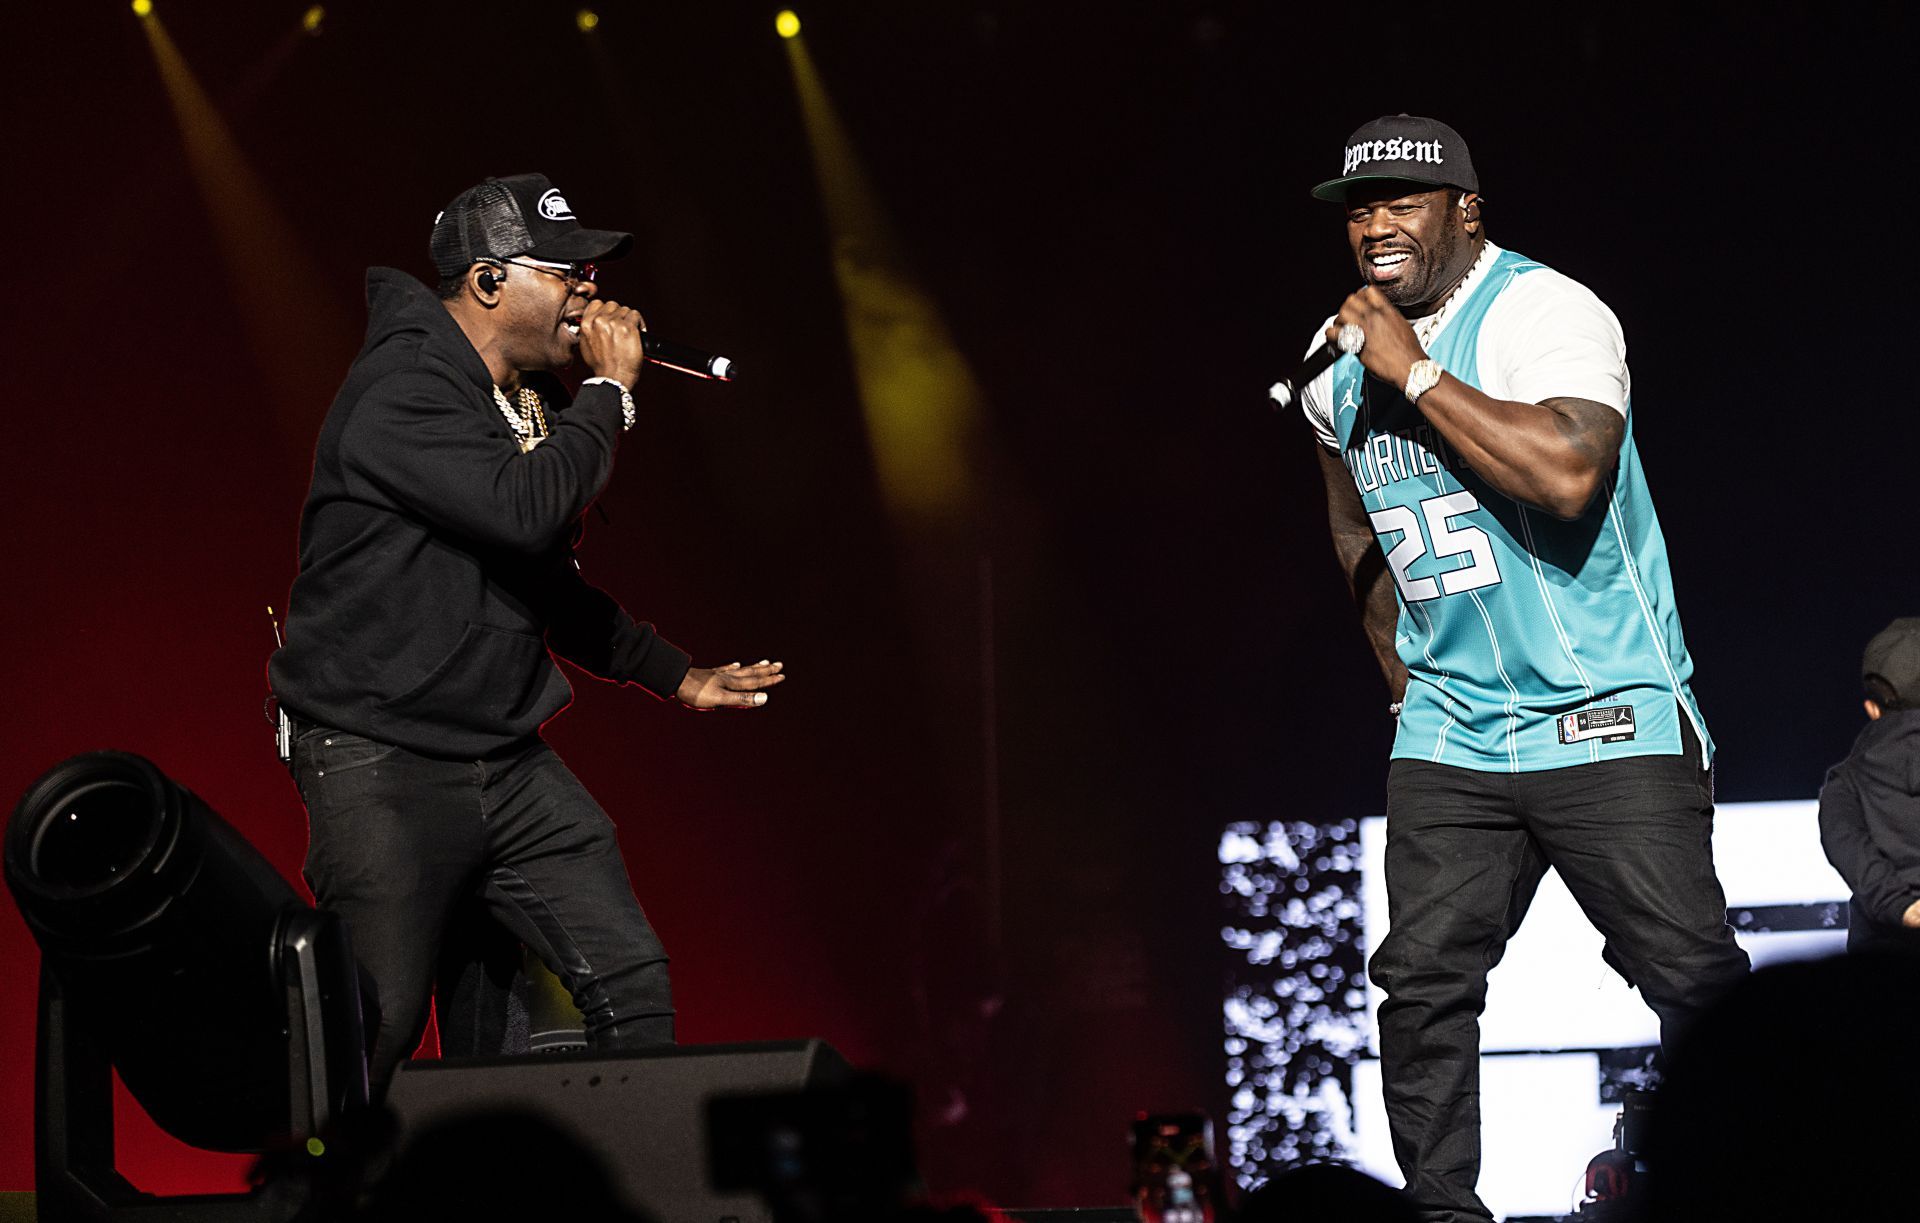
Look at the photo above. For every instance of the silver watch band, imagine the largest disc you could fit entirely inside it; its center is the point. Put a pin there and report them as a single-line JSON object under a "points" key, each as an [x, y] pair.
{"points": [[1421, 378], [626, 399]]}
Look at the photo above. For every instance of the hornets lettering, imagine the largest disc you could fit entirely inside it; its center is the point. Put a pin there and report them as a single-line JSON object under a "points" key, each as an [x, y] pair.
{"points": [[1385, 458]]}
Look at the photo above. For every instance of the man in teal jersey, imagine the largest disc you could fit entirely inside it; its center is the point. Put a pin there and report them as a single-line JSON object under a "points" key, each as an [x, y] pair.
{"points": [[1488, 507]]}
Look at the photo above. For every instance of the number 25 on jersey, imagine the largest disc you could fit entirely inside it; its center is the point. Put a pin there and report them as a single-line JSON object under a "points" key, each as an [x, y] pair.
{"points": [[1442, 541]]}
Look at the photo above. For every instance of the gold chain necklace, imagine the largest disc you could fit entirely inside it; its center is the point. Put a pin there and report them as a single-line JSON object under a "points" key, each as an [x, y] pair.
{"points": [[529, 423]]}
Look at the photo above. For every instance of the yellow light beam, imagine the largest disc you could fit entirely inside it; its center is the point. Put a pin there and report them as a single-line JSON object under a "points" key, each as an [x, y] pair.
{"points": [[300, 340], [921, 401], [924, 412], [787, 24]]}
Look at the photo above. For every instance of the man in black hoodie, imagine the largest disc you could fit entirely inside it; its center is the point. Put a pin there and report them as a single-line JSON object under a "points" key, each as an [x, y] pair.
{"points": [[437, 581], [1870, 806]]}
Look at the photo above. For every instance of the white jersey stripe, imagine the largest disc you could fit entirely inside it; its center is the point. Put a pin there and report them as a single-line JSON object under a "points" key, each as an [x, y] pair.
{"points": [[1446, 701], [1559, 629], [1513, 693], [1631, 564]]}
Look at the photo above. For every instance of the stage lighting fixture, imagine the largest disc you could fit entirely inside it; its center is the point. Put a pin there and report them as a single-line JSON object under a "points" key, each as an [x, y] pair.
{"points": [[587, 20], [142, 8], [172, 952], [787, 23], [311, 21]]}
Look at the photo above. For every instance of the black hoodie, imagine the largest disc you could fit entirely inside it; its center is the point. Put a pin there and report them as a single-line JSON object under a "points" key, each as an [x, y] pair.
{"points": [[436, 564], [1870, 817]]}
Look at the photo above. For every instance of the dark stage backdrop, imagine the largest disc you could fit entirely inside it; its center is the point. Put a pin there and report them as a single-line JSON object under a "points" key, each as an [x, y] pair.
{"points": [[1005, 891]]}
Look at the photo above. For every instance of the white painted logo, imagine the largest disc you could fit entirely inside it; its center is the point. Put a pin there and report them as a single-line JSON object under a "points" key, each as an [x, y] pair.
{"points": [[1392, 150], [554, 206]]}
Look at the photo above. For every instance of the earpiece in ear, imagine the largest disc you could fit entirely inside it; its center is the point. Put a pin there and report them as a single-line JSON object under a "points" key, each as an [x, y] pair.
{"points": [[488, 282]]}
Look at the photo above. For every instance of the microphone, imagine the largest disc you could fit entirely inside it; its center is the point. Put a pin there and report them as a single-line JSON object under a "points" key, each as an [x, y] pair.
{"points": [[684, 359], [1321, 359], [1318, 362]]}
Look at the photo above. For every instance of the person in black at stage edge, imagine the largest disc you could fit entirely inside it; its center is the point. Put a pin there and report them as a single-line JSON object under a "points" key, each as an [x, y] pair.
{"points": [[1784, 1102], [437, 581], [1326, 1193], [1870, 805], [534, 1169]]}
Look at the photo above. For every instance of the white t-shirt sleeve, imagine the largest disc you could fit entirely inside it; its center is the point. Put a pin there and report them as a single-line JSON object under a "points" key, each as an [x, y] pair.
{"points": [[1316, 398], [1549, 337]]}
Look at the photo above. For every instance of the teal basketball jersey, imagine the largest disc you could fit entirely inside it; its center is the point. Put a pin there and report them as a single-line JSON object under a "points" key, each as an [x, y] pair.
{"points": [[1530, 643]]}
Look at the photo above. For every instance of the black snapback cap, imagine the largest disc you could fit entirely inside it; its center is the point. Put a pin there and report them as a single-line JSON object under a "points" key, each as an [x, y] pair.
{"points": [[1402, 148], [523, 214], [1894, 656]]}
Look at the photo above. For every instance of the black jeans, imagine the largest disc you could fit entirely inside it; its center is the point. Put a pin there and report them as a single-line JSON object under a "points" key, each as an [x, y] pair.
{"points": [[1866, 936], [398, 842], [1465, 852]]}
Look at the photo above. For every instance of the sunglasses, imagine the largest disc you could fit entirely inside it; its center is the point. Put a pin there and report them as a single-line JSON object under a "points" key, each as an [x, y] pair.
{"points": [[572, 273]]}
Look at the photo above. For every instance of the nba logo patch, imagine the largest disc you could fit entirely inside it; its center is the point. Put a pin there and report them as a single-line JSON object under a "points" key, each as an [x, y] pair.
{"points": [[1609, 724]]}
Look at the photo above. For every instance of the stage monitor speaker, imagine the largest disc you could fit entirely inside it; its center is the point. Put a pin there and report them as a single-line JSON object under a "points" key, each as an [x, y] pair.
{"points": [[642, 1113]]}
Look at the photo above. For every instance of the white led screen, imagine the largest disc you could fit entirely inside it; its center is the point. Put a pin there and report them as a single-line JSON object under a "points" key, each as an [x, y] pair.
{"points": [[1562, 1033]]}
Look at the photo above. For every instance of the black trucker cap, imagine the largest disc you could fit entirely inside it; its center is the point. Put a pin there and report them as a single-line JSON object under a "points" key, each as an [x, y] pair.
{"points": [[1894, 656], [1402, 148], [523, 214]]}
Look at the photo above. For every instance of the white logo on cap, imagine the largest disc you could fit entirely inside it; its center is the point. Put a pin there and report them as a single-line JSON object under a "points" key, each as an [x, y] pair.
{"points": [[554, 206], [1392, 150]]}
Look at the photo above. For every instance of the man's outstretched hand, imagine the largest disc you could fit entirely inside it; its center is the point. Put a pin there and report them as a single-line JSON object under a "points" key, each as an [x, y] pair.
{"points": [[730, 687]]}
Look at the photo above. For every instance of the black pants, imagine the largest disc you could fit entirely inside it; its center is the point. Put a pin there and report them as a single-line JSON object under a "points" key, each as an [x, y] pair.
{"points": [[1465, 852], [399, 843], [1866, 936]]}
